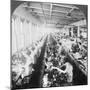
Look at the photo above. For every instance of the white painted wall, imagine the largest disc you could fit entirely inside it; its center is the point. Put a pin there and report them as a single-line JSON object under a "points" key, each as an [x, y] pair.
{"points": [[23, 32]]}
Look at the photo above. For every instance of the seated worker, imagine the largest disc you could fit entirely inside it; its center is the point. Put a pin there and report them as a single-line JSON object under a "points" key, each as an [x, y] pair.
{"points": [[75, 48], [66, 68], [48, 65], [46, 82], [26, 71]]}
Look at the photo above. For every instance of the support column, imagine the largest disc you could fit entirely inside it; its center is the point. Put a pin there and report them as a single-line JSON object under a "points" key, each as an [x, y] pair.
{"points": [[78, 31], [30, 30], [72, 31], [22, 30], [14, 27]]}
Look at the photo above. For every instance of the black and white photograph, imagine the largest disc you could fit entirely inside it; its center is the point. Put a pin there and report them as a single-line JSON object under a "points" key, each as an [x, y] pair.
{"points": [[49, 44]]}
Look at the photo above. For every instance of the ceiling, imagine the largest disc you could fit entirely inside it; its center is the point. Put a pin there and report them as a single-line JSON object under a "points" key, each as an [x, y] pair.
{"points": [[54, 13]]}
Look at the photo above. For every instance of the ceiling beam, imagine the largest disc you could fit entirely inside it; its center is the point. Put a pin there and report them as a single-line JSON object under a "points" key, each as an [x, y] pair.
{"points": [[31, 7], [54, 17], [40, 13], [51, 9], [43, 11], [65, 6], [60, 11]]}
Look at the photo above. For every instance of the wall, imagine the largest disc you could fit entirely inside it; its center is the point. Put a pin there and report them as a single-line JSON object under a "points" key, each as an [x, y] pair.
{"points": [[25, 29]]}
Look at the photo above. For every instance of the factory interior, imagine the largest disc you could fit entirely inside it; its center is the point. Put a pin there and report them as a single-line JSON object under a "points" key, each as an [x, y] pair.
{"points": [[49, 44]]}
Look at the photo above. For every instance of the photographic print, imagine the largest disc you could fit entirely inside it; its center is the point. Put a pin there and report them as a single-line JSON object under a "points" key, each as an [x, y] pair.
{"points": [[49, 44]]}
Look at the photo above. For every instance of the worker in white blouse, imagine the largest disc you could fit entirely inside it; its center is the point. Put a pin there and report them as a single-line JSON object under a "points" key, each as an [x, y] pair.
{"points": [[28, 65], [68, 70]]}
